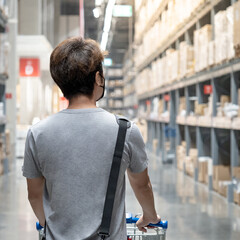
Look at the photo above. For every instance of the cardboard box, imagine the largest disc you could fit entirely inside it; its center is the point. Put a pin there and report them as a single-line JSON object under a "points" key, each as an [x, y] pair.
{"points": [[236, 197], [220, 173], [236, 39], [222, 188], [189, 166], [224, 99], [202, 171], [236, 172]]}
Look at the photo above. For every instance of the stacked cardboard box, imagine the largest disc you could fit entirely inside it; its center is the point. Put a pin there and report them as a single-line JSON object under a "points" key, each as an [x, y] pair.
{"points": [[191, 161], [211, 53], [182, 106], [202, 170], [221, 174], [236, 175], [186, 60], [181, 155], [200, 108], [202, 37], [236, 27]]}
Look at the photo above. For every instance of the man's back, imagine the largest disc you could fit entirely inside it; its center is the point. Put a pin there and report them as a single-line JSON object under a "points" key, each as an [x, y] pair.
{"points": [[73, 151]]}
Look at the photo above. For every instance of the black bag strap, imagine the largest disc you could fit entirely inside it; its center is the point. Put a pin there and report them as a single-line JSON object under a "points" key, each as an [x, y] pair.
{"points": [[103, 231]]}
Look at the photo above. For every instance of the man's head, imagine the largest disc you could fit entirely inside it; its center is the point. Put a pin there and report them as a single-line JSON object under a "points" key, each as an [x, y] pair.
{"points": [[76, 67]]}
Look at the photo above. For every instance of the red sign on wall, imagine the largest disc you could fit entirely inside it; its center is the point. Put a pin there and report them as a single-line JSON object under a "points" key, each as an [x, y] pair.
{"points": [[167, 97], [207, 89], [29, 67], [8, 96]]}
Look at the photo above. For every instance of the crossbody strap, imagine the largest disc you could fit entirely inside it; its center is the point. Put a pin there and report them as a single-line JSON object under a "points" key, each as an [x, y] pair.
{"points": [[113, 179]]}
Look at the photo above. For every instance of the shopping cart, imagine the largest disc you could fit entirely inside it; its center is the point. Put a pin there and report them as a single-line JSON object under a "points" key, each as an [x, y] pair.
{"points": [[158, 233]]}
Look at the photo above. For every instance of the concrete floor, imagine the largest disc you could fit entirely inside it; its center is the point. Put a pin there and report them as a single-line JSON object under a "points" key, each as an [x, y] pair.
{"points": [[192, 212]]}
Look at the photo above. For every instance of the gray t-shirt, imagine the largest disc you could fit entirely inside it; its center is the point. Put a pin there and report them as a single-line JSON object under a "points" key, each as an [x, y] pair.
{"points": [[73, 150]]}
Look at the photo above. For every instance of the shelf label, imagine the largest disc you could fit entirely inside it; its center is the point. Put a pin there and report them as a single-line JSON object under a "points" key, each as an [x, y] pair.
{"points": [[29, 67], [167, 97], [148, 102], [8, 96], [207, 89]]}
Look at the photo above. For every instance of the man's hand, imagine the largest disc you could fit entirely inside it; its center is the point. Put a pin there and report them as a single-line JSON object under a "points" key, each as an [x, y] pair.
{"points": [[143, 222]]}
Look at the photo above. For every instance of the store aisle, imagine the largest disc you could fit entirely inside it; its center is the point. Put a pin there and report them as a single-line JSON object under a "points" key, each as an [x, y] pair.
{"points": [[192, 212]]}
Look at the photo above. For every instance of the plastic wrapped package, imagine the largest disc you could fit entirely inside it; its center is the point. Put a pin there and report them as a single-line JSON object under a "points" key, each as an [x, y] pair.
{"points": [[221, 53], [211, 53], [196, 50], [175, 66], [186, 58], [230, 32], [221, 24], [236, 39], [162, 71], [169, 65]]}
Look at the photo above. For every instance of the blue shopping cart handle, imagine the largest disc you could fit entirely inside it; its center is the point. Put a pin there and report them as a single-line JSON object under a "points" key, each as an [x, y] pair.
{"points": [[129, 219], [38, 226], [163, 224]]}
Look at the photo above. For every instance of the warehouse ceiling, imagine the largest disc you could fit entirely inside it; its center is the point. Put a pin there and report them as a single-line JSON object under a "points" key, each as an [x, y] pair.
{"points": [[118, 40]]}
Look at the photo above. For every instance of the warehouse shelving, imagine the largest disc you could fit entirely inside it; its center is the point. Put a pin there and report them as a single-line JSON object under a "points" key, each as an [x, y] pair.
{"points": [[213, 137], [4, 161], [3, 21]]}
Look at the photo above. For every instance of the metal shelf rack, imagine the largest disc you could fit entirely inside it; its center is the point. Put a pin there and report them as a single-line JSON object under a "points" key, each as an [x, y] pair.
{"points": [[201, 132]]}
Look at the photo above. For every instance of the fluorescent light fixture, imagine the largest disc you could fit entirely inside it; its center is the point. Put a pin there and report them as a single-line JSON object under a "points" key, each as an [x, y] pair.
{"points": [[98, 2], [107, 62], [96, 12], [107, 23], [122, 11], [104, 40]]}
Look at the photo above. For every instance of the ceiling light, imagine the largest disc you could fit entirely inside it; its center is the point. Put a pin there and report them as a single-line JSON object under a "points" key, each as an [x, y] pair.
{"points": [[98, 2], [96, 12], [107, 23]]}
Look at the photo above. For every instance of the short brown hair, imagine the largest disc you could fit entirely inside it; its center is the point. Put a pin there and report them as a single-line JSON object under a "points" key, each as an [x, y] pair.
{"points": [[73, 65]]}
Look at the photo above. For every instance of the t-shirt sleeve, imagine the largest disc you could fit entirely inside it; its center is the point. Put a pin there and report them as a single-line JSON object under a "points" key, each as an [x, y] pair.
{"points": [[31, 167], [138, 155]]}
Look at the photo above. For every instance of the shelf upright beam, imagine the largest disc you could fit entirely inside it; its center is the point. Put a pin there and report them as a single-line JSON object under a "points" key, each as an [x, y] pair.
{"points": [[234, 87], [214, 97], [173, 123], [188, 105], [158, 133], [163, 142], [213, 12], [187, 38]]}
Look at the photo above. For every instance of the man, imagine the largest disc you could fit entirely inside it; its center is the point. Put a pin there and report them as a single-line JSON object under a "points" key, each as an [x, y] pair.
{"points": [[68, 156]]}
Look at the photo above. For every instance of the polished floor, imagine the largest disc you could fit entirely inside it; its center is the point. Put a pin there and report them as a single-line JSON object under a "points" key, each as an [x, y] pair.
{"points": [[193, 213]]}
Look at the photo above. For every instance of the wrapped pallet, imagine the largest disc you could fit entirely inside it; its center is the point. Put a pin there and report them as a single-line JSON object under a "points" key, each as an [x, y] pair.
{"points": [[230, 32], [202, 37], [236, 39], [169, 65], [186, 60], [175, 65], [221, 36], [211, 53]]}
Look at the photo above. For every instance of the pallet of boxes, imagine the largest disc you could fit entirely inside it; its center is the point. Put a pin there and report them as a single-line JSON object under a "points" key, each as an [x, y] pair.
{"points": [[191, 162], [221, 179], [236, 38], [181, 155], [2, 154], [236, 182]]}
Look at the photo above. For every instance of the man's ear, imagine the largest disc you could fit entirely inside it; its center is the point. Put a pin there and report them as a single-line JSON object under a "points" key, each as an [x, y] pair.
{"points": [[98, 78]]}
